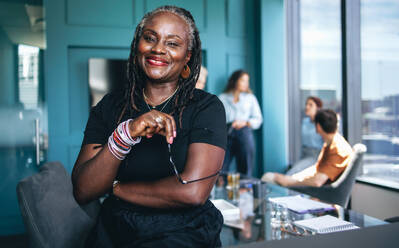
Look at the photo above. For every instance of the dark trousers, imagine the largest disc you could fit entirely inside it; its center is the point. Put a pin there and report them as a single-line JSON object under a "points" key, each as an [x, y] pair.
{"points": [[241, 145]]}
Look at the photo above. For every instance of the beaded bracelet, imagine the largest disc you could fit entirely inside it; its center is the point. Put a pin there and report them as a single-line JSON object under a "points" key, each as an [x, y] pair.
{"points": [[120, 142]]}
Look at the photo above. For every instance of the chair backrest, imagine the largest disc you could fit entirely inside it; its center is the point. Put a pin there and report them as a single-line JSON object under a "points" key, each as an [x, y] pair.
{"points": [[353, 167], [51, 215], [342, 187], [339, 191]]}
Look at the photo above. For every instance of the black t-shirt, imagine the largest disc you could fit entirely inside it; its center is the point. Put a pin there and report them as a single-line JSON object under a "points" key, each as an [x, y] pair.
{"points": [[203, 121]]}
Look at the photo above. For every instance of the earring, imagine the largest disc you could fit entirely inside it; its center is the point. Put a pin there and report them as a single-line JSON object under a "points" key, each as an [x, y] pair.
{"points": [[185, 73]]}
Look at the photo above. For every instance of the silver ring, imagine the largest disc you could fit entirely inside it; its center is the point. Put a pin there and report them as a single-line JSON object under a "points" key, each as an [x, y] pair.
{"points": [[158, 119]]}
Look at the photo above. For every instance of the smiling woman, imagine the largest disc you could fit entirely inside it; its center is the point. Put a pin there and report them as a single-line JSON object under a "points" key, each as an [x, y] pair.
{"points": [[163, 50], [130, 140]]}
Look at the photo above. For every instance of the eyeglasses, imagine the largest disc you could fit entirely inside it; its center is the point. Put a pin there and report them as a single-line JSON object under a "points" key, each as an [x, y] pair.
{"points": [[178, 175]]}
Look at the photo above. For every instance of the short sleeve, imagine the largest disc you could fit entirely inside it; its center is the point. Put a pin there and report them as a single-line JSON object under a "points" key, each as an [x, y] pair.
{"points": [[332, 165], [96, 128], [209, 123]]}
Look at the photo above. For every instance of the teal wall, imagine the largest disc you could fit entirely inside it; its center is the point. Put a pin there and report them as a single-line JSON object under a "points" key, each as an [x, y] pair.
{"points": [[78, 30], [7, 71], [274, 91]]}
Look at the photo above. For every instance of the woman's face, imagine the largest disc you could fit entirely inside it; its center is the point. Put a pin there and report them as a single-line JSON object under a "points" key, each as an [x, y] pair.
{"points": [[243, 83], [311, 108], [163, 47]]}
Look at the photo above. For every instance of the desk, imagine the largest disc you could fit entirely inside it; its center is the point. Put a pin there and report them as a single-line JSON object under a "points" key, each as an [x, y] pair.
{"points": [[257, 227], [385, 236]]}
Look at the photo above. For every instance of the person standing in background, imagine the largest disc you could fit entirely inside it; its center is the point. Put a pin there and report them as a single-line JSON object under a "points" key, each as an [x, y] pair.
{"points": [[311, 140], [201, 82], [243, 115]]}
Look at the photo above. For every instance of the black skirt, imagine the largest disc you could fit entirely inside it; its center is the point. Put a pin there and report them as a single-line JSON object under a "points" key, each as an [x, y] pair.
{"points": [[121, 224]]}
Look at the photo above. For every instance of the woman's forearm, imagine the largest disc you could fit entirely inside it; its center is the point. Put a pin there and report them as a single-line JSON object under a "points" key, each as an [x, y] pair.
{"points": [[165, 193], [93, 178]]}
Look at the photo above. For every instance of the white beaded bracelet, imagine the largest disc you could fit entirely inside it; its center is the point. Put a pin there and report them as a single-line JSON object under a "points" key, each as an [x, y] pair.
{"points": [[120, 142]]}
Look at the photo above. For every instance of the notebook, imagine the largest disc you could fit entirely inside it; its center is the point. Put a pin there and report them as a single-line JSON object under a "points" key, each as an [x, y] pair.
{"points": [[301, 204], [325, 224]]}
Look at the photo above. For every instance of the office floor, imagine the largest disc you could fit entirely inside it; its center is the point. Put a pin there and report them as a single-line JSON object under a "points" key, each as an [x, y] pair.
{"points": [[14, 241]]}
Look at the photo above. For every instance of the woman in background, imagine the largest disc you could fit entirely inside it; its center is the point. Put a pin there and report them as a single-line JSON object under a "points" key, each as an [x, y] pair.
{"points": [[311, 140], [243, 114]]}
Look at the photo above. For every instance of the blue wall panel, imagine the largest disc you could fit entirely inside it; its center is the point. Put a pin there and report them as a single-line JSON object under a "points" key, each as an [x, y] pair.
{"points": [[197, 9], [235, 62], [236, 18], [78, 58], [104, 13]]}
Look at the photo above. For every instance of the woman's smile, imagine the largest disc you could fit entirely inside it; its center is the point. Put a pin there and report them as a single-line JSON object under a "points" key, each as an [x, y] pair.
{"points": [[156, 61]]}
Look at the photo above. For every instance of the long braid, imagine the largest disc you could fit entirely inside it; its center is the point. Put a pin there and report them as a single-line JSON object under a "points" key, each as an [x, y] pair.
{"points": [[137, 79]]}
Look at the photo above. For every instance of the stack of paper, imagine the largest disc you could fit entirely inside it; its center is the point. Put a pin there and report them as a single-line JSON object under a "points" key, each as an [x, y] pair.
{"points": [[301, 204]]}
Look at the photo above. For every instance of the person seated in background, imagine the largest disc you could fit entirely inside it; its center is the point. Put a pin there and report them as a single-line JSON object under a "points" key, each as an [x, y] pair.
{"points": [[201, 82], [333, 158], [243, 114], [311, 140]]}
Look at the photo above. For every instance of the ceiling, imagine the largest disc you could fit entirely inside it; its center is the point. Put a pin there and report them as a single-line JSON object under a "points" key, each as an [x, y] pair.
{"points": [[23, 22]]}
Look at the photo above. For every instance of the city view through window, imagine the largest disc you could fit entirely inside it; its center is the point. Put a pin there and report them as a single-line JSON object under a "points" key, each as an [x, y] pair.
{"points": [[321, 75], [380, 90]]}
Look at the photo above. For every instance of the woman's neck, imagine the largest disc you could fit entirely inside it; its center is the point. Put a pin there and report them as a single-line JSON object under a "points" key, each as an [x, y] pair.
{"points": [[236, 95], [156, 93]]}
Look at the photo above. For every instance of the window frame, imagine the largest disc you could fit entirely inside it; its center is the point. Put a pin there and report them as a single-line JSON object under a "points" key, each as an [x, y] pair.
{"points": [[351, 74]]}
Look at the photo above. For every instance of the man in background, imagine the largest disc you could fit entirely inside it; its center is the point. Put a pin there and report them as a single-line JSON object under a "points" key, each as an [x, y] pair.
{"points": [[334, 157]]}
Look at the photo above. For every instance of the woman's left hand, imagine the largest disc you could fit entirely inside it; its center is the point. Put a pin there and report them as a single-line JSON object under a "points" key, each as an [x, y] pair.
{"points": [[154, 122]]}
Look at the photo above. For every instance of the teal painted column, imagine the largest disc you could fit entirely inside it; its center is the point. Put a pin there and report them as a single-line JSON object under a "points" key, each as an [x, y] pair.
{"points": [[274, 92], [215, 51]]}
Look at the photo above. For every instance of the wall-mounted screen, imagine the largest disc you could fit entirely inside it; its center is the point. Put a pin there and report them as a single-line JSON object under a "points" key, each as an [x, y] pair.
{"points": [[105, 75]]}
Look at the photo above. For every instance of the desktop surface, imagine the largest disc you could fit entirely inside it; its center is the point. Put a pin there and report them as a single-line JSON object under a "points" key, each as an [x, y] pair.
{"points": [[255, 224]]}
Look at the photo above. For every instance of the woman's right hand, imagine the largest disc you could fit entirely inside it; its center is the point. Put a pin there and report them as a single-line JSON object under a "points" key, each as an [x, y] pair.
{"points": [[238, 124], [154, 122]]}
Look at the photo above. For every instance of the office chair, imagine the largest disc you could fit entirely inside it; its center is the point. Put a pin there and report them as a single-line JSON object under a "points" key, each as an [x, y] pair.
{"points": [[50, 213], [339, 191]]}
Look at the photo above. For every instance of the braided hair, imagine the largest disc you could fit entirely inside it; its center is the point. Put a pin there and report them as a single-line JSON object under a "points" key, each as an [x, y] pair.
{"points": [[137, 78]]}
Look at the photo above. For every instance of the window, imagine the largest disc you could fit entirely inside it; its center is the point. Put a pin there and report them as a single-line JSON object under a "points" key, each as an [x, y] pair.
{"points": [[321, 61], [320, 54], [28, 76], [380, 90]]}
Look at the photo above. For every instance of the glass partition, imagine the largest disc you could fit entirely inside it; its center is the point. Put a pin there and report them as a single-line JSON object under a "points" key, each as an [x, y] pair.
{"points": [[23, 115]]}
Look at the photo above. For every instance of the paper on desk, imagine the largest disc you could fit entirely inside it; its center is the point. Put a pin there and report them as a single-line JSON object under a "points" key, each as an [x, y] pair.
{"points": [[228, 210], [301, 204]]}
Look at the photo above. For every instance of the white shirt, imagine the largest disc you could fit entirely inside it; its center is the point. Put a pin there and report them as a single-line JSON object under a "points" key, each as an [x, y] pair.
{"points": [[246, 109]]}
